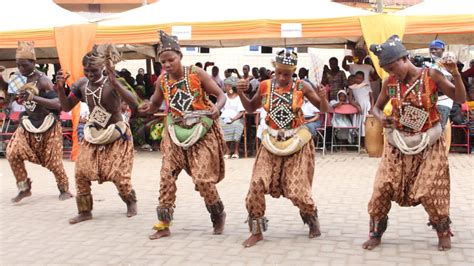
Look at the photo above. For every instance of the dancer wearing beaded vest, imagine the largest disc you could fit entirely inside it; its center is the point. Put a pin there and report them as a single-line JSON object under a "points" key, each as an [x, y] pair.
{"points": [[38, 139], [414, 168], [284, 165], [193, 140], [106, 153]]}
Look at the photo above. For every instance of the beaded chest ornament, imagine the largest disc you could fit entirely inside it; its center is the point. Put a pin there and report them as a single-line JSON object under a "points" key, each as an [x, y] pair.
{"points": [[411, 116], [99, 114], [280, 106], [182, 99]]}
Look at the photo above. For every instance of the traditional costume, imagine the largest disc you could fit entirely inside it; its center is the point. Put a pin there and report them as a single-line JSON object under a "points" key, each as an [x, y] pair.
{"points": [[106, 153], [284, 165], [414, 168], [40, 142], [191, 141]]}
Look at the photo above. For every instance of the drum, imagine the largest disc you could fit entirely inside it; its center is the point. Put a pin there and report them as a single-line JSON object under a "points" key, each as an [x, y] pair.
{"points": [[373, 136]]}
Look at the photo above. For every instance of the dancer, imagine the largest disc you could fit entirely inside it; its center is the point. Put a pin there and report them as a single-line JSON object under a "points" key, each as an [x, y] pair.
{"points": [[284, 165], [39, 139], [106, 153], [193, 139], [414, 168]]}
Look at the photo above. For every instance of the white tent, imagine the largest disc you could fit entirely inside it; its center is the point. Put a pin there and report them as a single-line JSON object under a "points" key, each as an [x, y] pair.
{"points": [[223, 24], [449, 20], [32, 20], [35, 15]]}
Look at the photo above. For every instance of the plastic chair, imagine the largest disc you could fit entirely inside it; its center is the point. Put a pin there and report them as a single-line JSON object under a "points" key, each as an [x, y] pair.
{"points": [[321, 132], [465, 129], [5, 133], [345, 109]]}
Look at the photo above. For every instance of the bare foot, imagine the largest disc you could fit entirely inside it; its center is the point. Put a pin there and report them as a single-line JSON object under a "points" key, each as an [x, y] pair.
{"points": [[82, 216], [65, 195], [159, 234], [444, 243], [314, 231], [219, 224], [252, 240], [371, 243], [131, 209], [21, 195]]}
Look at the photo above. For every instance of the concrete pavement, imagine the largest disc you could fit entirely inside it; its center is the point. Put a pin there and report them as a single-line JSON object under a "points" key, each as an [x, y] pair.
{"points": [[36, 231]]}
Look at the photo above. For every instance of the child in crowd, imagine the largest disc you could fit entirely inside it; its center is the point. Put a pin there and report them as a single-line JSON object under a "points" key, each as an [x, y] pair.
{"points": [[360, 95]]}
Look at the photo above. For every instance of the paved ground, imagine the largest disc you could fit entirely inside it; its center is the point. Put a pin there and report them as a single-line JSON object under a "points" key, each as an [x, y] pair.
{"points": [[36, 231]]}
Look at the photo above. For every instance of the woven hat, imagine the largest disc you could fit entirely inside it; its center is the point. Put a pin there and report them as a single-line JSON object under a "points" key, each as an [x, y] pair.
{"points": [[389, 51], [168, 43], [26, 50]]}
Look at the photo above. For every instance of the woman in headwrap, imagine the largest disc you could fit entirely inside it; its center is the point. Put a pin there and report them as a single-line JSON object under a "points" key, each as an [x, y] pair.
{"points": [[414, 168], [192, 140], [284, 165]]}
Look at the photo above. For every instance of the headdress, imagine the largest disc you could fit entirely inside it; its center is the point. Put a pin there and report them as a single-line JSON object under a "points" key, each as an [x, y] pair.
{"points": [[437, 44], [168, 43], [288, 59], [389, 51], [103, 52], [26, 50]]}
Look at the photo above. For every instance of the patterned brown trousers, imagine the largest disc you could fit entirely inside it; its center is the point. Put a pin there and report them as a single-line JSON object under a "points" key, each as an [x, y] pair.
{"points": [[45, 149], [290, 176], [110, 162], [203, 161], [410, 180]]}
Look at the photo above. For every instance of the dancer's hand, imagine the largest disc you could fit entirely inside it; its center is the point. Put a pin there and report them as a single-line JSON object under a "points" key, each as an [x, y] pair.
{"points": [[449, 63], [387, 121], [145, 108], [242, 86], [61, 78], [322, 92], [214, 112]]}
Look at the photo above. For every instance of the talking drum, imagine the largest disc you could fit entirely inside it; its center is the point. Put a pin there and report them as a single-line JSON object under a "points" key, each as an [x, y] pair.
{"points": [[373, 136]]}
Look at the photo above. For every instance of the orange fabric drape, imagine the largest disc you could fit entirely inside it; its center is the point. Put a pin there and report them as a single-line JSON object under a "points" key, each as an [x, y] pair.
{"points": [[72, 43]]}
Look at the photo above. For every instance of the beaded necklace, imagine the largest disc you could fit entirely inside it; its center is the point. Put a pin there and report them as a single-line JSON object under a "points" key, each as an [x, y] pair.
{"points": [[282, 114], [413, 117], [417, 86], [96, 97], [182, 99]]}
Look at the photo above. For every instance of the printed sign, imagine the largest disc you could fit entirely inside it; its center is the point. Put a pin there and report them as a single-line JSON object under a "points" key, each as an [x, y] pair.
{"points": [[182, 32], [291, 30]]}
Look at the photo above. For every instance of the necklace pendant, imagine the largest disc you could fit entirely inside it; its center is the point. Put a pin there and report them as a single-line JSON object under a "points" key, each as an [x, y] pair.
{"points": [[99, 116]]}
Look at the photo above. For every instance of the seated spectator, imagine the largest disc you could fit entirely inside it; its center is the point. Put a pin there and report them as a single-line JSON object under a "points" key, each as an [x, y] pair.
{"points": [[231, 122], [342, 120], [311, 117]]}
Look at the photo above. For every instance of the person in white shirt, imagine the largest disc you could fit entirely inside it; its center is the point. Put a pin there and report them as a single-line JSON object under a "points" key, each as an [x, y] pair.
{"points": [[231, 122], [358, 64], [444, 104], [311, 117]]}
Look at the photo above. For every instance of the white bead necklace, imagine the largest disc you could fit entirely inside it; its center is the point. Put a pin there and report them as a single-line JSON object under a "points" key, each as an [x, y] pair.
{"points": [[96, 97], [417, 85]]}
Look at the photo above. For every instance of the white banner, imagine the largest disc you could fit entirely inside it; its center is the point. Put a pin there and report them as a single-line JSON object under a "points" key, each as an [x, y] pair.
{"points": [[182, 32], [291, 30]]}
